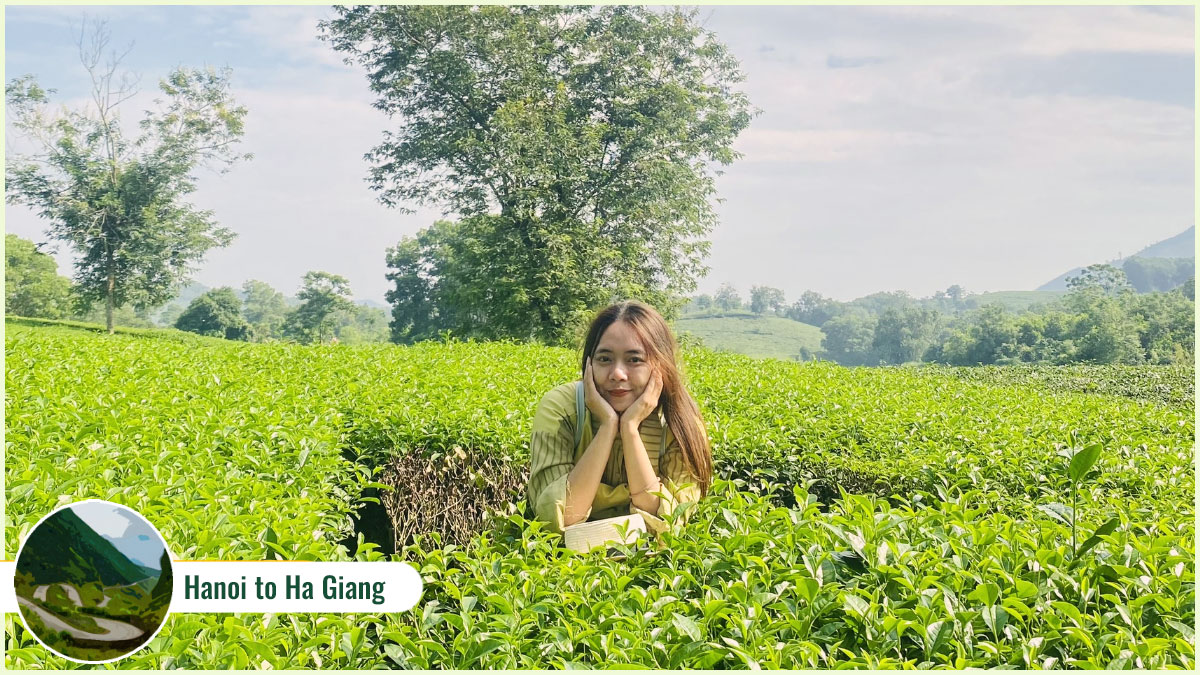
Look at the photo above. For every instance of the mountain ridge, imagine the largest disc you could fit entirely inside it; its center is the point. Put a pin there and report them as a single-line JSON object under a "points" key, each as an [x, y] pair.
{"points": [[1182, 245], [87, 557]]}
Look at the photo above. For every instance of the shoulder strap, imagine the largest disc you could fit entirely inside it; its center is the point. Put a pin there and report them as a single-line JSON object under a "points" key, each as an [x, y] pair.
{"points": [[664, 439], [578, 413]]}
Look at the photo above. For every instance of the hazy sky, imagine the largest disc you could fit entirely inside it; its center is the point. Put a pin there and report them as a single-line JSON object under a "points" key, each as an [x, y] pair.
{"points": [[125, 529], [898, 148]]}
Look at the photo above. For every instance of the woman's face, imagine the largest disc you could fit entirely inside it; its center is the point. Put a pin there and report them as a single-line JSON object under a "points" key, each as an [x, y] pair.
{"points": [[619, 366]]}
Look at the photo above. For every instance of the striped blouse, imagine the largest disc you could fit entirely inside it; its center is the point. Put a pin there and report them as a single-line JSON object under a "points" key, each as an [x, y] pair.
{"points": [[552, 458]]}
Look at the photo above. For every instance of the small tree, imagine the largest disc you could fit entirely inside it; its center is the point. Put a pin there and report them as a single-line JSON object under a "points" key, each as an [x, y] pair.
{"points": [[322, 296], [763, 298], [727, 298], [32, 285], [813, 308], [847, 339], [265, 309], [119, 201], [1103, 278], [217, 313], [361, 324]]}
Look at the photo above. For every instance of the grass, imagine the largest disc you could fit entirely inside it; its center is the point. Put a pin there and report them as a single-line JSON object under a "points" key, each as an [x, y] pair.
{"points": [[75, 327], [753, 335], [1017, 300]]}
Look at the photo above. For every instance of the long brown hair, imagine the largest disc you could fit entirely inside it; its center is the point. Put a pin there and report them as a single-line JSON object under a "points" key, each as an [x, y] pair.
{"points": [[679, 408]]}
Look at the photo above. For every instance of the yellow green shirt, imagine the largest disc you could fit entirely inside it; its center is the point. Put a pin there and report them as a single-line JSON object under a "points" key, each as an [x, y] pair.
{"points": [[552, 457]]}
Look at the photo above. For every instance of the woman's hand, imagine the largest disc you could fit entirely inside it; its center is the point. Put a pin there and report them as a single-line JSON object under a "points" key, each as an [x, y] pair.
{"points": [[600, 408], [645, 404]]}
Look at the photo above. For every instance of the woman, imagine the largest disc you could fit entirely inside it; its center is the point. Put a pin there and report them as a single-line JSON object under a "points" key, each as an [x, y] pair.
{"points": [[641, 445]]}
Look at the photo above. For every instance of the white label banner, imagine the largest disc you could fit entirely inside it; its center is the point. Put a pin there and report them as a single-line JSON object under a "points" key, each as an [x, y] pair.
{"points": [[288, 586], [276, 586]]}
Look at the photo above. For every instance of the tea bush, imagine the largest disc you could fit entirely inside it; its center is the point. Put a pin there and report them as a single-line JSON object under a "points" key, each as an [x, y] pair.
{"points": [[950, 489]]}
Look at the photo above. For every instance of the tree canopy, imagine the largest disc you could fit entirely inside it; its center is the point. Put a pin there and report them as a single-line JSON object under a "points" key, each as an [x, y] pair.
{"points": [[264, 308], [727, 297], [1102, 278], [217, 313], [763, 298], [32, 285], [322, 296], [574, 144]]}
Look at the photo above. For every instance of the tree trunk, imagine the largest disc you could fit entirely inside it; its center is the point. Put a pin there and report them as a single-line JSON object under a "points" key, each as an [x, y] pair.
{"points": [[112, 283]]}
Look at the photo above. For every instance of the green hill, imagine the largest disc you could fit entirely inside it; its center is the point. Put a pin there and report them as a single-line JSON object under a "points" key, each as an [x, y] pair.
{"points": [[64, 548], [1017, 300], [1182, 245], [753, 335]]}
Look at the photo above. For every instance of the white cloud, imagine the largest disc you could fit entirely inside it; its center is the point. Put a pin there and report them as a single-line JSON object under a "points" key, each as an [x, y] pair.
{"points": [[291, 31], [820, 145], [303, 203]]}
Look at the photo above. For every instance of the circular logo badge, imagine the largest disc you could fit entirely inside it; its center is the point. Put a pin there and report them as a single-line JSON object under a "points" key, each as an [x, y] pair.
{"points": [[93, 581]]}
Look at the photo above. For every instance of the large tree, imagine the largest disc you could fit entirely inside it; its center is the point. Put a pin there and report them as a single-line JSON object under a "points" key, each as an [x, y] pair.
{"points": [[1103, 278], [119, 201], [847, 339], [32, 285], [575, 144]]}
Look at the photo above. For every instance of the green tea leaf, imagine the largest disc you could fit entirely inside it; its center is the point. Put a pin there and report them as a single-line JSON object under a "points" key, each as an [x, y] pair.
{"points": [[1060, 512], [1105, 529], [855, 605], [1082, 462], [995, 618], [687, 627], [1025, 590], [987, 593]]}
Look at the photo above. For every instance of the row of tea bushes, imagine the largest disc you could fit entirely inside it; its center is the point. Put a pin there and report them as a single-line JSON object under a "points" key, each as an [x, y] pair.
{"points": [[1169, 385], [747, 584], [899, 428]]}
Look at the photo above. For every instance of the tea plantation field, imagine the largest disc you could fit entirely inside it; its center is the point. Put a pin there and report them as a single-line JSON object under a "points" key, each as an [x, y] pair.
{"points": [[982, 532]]}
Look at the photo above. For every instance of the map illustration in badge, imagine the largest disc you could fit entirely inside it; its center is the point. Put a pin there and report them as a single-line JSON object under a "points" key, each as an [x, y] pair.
{"points": [[93, 581]]}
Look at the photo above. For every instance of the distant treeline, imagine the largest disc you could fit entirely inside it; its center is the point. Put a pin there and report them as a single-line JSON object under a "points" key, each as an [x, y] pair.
{"points": [[1101, 319], [322, 312], [1148, 275]]}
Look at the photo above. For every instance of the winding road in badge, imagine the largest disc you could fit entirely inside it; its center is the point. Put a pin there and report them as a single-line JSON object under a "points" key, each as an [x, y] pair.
{"points": [[93, 581]]}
